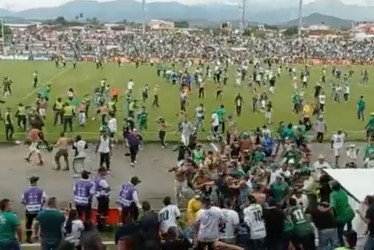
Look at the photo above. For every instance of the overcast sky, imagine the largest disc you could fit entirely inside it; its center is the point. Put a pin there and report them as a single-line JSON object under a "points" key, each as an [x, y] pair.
{"points": [[25, 4]]}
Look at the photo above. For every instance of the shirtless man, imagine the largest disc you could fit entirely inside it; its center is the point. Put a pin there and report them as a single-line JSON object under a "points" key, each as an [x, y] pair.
{"points": [[34, 136], [180, 182], [62, 146]]}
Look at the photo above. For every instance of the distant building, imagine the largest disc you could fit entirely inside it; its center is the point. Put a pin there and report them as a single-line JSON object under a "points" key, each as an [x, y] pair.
{"points": [[160, 25], [362, 30], [318, 27]]}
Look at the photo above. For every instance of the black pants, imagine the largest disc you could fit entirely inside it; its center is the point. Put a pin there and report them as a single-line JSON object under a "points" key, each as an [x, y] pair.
{"points": [[133, 152], [133, 211], [9, 131], [68, 121], [105, 159], [346, 97], [155, 101], [162, 135], [29, 220], [201, 93], [222, 124], [102, 211], [21, 121], [84, 210], [58, 116], [320, 137], [238, 110]]}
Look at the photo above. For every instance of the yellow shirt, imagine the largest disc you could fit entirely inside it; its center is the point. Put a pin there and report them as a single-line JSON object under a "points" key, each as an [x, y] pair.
{"points": [[192, 209], [307, 111]]}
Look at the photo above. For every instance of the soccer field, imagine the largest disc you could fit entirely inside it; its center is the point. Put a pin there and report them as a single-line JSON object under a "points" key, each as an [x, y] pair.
{"points": [[86, 77]]}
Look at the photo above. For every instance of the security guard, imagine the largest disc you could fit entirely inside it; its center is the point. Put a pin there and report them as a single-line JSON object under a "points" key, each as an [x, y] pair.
{"points": [[57, 108], [9, 129], [21, 117], [68, 113], [129, 195], [33, 199], [102, 192]]}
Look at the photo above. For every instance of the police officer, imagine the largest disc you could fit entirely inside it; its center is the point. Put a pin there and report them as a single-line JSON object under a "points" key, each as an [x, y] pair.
{"points": [[57, 108], [102, 192], [33, 199], [83, 193], [21, 116], [9, 129], [129, 195], [68, 113]]}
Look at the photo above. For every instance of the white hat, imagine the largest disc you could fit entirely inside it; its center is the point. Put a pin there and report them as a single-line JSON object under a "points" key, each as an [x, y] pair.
{"points": [[291, 161], [352, 145], [321, 157]]}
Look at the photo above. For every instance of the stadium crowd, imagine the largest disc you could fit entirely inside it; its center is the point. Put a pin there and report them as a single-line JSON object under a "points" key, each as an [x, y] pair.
{"points": [[186, 44]]}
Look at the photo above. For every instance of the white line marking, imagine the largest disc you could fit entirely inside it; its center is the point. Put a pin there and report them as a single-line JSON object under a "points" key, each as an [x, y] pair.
{"points": [[214, 146], [38, 244], [50, 81]]}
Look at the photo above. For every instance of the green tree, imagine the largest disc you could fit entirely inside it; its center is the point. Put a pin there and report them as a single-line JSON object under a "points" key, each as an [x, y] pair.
{"points": [[7, 31], [60, 20], [292, 31], [181, 24]]}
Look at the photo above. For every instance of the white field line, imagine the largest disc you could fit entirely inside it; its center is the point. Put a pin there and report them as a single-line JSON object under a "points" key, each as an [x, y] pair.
{"points": [[38, 244], [50, 81]]}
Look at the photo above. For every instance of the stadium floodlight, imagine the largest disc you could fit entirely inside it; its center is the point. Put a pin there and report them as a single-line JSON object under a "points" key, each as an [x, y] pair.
{"points": [[144, 16], [243, 17], [300, 16]]}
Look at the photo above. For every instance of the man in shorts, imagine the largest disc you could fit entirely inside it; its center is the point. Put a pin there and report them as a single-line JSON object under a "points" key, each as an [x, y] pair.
{"points": [[34, 136], [337, 142]]}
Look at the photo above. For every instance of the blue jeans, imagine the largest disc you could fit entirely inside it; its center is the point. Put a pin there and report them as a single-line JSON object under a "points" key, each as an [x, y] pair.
{"points": [[369, 245], [328, 239], [10, 245], [49, 245], [341, 225]]}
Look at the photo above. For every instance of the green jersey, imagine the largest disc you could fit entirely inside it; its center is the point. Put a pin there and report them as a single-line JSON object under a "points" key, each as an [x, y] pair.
{"points": [[51, 222], [143, 116], [361, 105], [221, 114], [259, 156], [296, 99], [369, 150], [281, 131], [279, 190], [198, 156], [9, 222], [290, 133], [342, 209], [301, 226], [371, 123]]}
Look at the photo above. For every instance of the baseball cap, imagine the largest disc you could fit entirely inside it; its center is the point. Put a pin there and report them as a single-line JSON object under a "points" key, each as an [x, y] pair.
{"points": [[34, 179], [135, 180]]}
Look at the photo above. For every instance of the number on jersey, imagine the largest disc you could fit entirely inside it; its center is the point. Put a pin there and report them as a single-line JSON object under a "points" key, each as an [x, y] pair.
{"points": [[164, 216], [298, 216]]}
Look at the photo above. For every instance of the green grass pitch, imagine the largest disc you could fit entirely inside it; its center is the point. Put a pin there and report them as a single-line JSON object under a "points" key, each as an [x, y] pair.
{"points": [[86, 77]]}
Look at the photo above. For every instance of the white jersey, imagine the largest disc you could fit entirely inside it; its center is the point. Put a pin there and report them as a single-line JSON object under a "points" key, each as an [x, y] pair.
{"points": [[338, 141], [346, 90], [130, 85], [168, 217], [208, 221], [322, 99], [231, 221], [215, 120], [253, 216]]}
